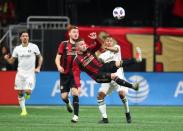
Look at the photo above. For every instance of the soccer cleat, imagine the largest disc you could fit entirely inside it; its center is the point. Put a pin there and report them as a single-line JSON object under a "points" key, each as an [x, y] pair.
{"points": [[27, 96], [138, 54], [104, 120], [136, 86], [69, 107], [23, 113], [74, 119], [128, 117]]}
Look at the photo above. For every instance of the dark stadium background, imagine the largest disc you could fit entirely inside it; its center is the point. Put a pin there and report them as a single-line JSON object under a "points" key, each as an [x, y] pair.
{"points": [[98, 12], [139, 13]]}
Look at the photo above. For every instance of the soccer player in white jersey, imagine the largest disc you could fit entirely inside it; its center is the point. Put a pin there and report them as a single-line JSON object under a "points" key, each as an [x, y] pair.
{"points": [[26, 54], [113, 53]]}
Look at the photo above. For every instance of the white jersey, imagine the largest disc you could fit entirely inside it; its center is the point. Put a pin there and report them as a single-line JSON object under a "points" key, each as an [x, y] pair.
{"points": [[25, 77], [26, 57], [108, 56]]}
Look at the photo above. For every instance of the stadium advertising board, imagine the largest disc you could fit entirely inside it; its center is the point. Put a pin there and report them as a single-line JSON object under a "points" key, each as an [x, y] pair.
{"points": [[7, 93], [155, 89]]}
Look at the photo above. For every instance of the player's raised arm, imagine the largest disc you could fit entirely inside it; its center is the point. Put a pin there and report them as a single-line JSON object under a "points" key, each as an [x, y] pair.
{"points": [[113, 49], [96, 44]]}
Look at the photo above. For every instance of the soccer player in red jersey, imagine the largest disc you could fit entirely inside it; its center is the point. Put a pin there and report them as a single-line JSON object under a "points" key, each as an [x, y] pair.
{"points": [[64, 59], [86, 61]]}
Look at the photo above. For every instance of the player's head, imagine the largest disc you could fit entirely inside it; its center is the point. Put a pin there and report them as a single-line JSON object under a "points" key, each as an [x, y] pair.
{"points": [[81, 45], [108, 41], [73, 32], [24, 37]]}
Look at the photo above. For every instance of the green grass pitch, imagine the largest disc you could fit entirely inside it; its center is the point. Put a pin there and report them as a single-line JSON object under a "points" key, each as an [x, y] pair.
{"points": [[56, 118]]}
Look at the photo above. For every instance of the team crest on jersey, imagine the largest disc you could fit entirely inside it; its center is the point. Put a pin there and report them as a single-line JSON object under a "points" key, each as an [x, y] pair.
{"points": [[71, 53]]}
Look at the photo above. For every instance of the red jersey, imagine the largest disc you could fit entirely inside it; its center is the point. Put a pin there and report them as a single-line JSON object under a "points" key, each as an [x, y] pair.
{"points": [[87, 62], [67, 51]]}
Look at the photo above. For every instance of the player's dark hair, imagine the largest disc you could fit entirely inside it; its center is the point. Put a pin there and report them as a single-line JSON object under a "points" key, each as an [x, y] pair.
{"points": [[79, 39], [25, 31]]}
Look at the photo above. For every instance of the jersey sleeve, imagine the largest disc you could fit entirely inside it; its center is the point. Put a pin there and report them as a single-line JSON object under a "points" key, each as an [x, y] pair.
{"points": [[117, 46], [61, 48], [15, 53], [94, 46], [36, 50], [76, 73]]}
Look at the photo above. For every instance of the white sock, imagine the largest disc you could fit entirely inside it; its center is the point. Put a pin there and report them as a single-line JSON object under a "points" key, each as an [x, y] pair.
{"points": [[22, 102], [102, 108], [125, 102]]}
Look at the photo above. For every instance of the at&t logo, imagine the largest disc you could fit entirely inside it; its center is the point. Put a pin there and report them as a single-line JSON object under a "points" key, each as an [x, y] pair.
{"points": [[142, 93]]}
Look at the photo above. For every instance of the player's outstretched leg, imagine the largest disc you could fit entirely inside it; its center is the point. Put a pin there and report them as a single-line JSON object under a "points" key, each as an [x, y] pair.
{"points": [[122, 82]]}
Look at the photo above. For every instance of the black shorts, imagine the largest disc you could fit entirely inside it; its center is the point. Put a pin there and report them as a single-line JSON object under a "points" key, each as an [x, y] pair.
{"points": [[104, 75], [66, 82], [109, 67]]}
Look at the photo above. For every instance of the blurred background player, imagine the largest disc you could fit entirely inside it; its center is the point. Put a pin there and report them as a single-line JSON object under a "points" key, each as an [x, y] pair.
{"points": [[26, 54], [112, 52], [4, 65], [64, 59], [87, 61]]}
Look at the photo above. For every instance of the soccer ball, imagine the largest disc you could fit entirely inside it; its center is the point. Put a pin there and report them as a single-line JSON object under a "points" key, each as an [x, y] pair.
{"points": [[118, 13]]}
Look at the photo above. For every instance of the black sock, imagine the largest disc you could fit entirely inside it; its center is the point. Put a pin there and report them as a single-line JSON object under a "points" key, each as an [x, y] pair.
{"points": [[76, 105], [128, 62], [123, 82], [66, 100]]}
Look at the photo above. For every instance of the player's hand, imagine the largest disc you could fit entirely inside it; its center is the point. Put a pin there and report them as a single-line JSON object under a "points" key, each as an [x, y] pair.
{"points": [[6, 57], [61, 69], [37, 70], [93, 35], [105, 48]]}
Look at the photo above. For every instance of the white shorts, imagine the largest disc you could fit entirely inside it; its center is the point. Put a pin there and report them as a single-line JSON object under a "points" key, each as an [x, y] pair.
{"points": [[24, 81], [108, 88]]}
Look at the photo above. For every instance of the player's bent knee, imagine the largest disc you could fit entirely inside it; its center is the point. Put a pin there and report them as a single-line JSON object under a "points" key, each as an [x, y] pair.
{"points": [[113, 76], [75, 92], [118, 63], [64, 95], [101, 95], [122, 94], [28, 92], [20, 93]]}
